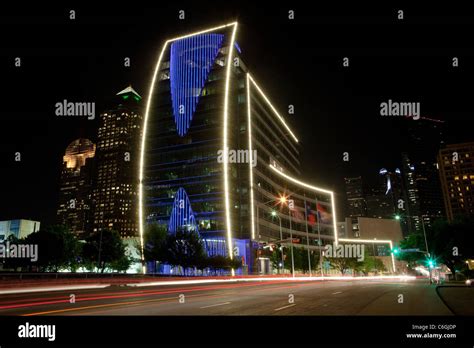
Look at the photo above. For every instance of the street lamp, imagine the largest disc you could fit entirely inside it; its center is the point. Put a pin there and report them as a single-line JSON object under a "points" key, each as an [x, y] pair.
{"points": [[275, 214], [284, 200], [373, 250]]}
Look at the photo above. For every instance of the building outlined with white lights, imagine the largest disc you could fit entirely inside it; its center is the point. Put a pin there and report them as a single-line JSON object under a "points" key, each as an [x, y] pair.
{"points": [[203, 99]]}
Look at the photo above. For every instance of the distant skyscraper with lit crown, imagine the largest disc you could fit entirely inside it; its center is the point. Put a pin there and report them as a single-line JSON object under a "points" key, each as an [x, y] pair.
{"points": [[115, 188], [74, 206]]}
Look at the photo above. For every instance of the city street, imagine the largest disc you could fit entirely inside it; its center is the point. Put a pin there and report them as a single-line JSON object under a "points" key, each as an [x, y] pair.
{"points": [[273, 297]]}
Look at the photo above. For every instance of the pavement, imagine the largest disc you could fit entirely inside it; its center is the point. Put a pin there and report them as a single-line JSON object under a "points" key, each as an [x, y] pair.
{"points": [[269, 297], [459, 299]]}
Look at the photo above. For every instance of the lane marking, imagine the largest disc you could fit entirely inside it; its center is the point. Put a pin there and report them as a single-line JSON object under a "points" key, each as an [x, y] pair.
{"points": [[337, 292], [128, 303], [217, 304], [291, 305], [131, 303], [135, 294], [96, 306], [154, 292]]}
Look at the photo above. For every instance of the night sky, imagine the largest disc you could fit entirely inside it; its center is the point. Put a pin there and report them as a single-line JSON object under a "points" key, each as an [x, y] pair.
{"points": [[296, 62]]}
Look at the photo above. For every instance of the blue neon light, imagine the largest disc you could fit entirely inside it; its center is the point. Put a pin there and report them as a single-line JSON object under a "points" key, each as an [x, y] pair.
{"points": [[237, 47], [190, 63], [182, 213]]}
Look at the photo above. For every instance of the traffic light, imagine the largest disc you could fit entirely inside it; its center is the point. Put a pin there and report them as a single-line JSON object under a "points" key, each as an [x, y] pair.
{"points": [[431, 263], [397, 217], [395, 251]]}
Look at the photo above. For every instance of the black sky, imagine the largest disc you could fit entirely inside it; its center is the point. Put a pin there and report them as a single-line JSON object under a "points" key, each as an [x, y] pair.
{"points": [[297, 62]]}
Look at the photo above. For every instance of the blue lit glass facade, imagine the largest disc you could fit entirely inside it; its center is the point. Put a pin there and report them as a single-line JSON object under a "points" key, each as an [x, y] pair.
{"points": [[191, 60], [183, 183], [182, 213]]}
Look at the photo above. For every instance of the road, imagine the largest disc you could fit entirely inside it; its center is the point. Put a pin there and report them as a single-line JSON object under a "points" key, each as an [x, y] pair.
{"points": [[362, 297]]}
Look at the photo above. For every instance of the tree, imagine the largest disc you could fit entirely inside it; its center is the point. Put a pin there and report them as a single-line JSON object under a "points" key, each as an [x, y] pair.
{"points": [[412, 241], [298, 257], [452, 243], [104, 249], [58, 248], [155, 243], [223, 263], [275, 258], [369, 264], [185, 249], [123, 263], [234, 263], [313, 258], [342, 264], [216, 263]]}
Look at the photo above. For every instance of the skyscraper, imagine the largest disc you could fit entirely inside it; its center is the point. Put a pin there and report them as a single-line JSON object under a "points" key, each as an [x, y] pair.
{"points": [[217, 155], [379, 204], [424, 138], [456, 170], [117, 156], [355, 200], [74, 208]]}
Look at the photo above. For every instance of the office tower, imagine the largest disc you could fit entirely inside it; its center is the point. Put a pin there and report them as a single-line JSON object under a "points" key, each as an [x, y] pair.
{"points": [[117, 156], [355, 200], [217, 155], [424, 138], [379, 204], [456, 170], [74, 208]]}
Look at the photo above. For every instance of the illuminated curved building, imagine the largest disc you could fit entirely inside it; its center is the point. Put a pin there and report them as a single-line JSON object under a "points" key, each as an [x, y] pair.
{"points": [[75, 186], [216, 155]]}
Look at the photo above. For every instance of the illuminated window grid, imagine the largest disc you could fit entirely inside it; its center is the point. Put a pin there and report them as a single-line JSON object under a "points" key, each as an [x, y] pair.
{"points": [[250, 80]]}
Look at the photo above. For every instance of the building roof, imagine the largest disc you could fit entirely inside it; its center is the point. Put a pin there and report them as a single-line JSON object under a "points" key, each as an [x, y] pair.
{"points": [[129, 89]]}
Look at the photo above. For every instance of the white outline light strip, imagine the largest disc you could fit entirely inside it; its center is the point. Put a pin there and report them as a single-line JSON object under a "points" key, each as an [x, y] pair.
{"points": [[252, 206], [224, 144], [202, 32], [272, 107], [376, 241], [145, 126], [314, 188], [142, 155]]}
